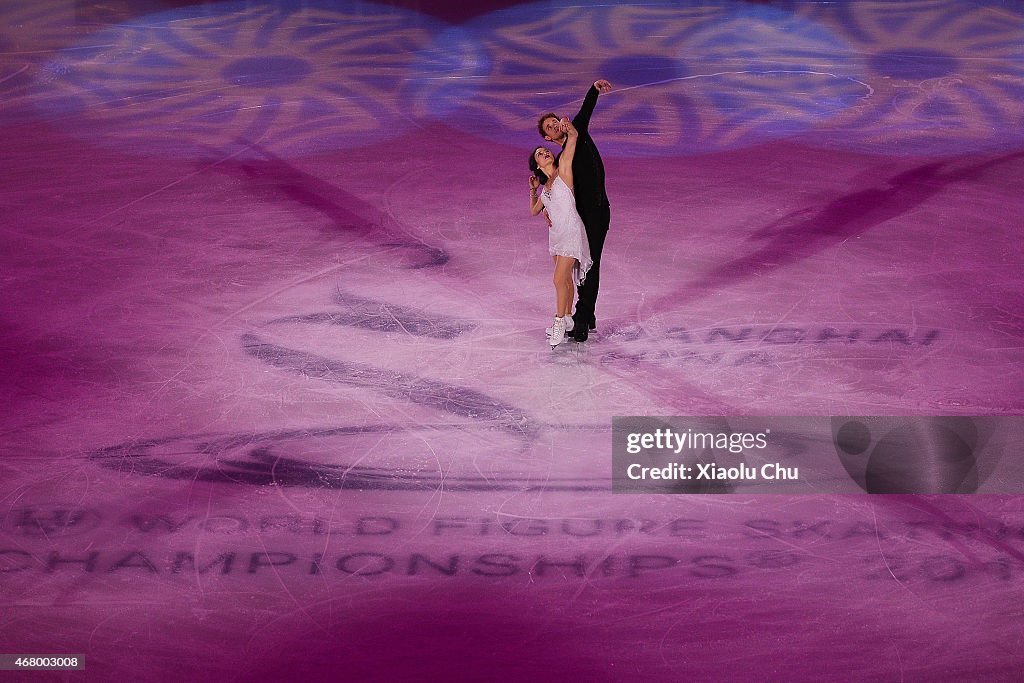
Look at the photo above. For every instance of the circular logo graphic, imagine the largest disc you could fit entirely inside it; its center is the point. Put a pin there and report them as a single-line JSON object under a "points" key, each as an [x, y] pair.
{"points": [[916, 454]]}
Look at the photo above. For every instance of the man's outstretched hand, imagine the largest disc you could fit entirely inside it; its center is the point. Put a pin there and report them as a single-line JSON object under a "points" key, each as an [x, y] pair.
{"points": [[602, 85]]}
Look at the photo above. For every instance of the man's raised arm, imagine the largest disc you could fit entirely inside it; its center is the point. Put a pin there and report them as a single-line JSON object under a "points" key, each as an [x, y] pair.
{"points": [[582, 120]]}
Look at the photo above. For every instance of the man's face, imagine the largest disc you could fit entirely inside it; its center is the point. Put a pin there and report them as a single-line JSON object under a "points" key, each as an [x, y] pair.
{"points": [[552, 131]]}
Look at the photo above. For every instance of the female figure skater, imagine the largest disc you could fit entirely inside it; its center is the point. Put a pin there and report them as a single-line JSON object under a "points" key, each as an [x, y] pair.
{"points": [[567, 237]]}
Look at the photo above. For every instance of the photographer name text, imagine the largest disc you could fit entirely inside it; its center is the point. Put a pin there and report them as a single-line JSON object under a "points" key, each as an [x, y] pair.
{"points": [[712, 472]]}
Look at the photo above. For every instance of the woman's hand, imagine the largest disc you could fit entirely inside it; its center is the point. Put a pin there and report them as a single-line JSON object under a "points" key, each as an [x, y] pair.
{"points": [[534, 183], [567, 127]]}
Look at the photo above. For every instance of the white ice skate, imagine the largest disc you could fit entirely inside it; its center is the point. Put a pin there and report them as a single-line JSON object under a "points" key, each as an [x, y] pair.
{"points": [[557, 332], [569, 325]]}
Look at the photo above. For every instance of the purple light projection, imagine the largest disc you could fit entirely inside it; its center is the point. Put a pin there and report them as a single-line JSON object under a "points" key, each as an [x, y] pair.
{"points": [[279, 404], [294, 79]]}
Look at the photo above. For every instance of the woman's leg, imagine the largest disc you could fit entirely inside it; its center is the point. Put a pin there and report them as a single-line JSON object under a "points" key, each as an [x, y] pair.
{"points": [[563, 285], [570, 290]]}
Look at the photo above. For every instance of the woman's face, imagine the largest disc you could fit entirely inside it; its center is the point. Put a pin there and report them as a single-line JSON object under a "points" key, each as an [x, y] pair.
{"points": [[543, 156]]}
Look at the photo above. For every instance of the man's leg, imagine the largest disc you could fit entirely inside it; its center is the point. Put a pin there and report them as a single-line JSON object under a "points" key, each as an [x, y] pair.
{"points": [[596, 221]]}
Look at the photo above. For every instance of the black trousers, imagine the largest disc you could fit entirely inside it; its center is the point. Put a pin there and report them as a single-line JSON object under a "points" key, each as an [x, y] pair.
{"points": [[596, 220]]}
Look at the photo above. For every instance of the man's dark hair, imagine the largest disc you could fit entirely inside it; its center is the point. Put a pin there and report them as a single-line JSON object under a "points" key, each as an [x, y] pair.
{"points": [[542, 119]]}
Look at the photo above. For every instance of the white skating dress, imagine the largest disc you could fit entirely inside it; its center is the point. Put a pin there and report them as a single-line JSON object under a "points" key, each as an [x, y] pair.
{"points": [[567, 235]]}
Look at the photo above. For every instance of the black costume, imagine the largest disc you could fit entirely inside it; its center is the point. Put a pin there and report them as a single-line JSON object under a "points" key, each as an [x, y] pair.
{"points": [[592, 205]]}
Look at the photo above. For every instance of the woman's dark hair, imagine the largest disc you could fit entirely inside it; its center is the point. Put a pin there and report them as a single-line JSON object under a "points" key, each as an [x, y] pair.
{"points": [[535, 168]]}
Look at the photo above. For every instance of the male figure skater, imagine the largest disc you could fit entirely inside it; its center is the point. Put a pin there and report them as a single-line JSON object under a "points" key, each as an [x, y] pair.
{"points": [[591, 200]]}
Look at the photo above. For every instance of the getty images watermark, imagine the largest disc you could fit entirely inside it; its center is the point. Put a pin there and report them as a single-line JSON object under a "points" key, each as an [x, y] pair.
{"points": [[691, 455], [818, 454]]}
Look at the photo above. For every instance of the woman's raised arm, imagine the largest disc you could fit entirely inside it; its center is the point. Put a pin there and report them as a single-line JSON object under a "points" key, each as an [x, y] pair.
{"points": [[568, 152]]}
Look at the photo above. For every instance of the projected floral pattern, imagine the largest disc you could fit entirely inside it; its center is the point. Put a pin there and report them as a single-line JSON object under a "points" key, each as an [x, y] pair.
{"points": [[690, 78], [921, 76], [31, 27], [946, 76], [213, 79], [29, 30]]}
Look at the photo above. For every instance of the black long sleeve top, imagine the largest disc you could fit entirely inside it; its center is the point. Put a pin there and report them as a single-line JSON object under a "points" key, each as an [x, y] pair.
{"points": [[587, 167]]}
